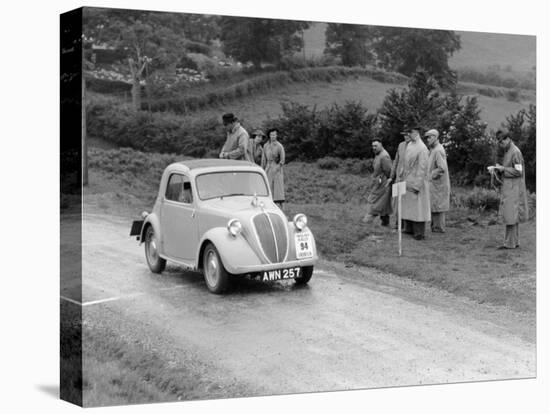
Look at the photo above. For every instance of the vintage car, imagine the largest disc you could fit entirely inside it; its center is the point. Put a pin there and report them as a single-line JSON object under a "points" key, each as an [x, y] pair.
{"points": [[217, 216]]}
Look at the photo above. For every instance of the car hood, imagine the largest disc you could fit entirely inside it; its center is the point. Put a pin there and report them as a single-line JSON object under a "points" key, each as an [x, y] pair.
{"points": [[240, 206]]}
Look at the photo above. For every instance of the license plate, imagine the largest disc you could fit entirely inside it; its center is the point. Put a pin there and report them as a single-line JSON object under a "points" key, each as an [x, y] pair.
{"points": [[280, 274], [304, 244], [136, 227]]}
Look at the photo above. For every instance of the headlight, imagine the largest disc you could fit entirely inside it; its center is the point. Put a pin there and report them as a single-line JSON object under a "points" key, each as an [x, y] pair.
{"points": [[300, 221], [234, 227]]}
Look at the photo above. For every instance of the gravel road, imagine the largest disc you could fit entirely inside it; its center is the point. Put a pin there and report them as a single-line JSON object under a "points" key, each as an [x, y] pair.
{"points": [[350, 328]]}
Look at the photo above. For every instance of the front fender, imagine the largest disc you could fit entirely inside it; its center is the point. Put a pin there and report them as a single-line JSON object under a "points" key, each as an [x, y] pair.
{"points": [[151, 220], [235, 252]]}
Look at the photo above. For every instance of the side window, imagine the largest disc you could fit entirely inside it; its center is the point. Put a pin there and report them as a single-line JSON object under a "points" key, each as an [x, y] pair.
{"points": [[179, 189]]}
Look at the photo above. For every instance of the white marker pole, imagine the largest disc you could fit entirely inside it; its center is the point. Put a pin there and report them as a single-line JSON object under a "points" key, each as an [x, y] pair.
{"points": [[398, 189], [399, 221]]}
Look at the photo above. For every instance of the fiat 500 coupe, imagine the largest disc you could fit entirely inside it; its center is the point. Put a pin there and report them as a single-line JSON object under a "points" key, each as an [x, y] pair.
{"points": [[218, 217]]}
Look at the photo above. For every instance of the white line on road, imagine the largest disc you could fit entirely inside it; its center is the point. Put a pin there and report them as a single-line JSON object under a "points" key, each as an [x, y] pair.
{"points": [[99, 301]]}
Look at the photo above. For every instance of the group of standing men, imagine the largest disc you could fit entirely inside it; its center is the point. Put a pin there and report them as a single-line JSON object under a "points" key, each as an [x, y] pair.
{"points": [[262, 150], [424, 171], [426, 175]]}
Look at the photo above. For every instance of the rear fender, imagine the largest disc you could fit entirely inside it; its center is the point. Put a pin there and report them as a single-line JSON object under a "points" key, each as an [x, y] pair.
{"points": [[234, 252], [150, 220]]}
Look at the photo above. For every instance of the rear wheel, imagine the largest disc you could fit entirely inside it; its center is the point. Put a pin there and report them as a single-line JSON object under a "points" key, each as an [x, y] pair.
{"points": [[155, 262], [307, 272], [215, 275]]}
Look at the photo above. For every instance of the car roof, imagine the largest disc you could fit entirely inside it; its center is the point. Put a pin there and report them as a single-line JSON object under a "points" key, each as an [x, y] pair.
{"points": [[214, 162]]}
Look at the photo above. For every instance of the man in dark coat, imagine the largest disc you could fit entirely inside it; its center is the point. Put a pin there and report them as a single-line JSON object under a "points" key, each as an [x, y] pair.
{"points": [[379, 199]]}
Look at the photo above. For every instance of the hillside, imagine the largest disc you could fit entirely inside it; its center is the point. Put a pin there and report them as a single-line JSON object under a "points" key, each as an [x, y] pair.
{"points": [[479, 49]]}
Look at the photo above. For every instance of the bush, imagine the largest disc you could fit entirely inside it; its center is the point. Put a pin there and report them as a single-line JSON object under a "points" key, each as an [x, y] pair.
{"points": [[338, 131], [483, 199], [197, 47], [523, 129], [478, 198], [358, 166], [513, 95], [154, 132], [329, 163], [229, 84]]}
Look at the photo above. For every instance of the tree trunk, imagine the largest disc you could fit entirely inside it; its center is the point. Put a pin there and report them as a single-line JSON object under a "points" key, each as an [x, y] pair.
{"points": [[136, 94]]}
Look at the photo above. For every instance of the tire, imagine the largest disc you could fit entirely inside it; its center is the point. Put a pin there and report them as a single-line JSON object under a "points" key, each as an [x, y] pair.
{"points": [[155, 262], [215, 275], [307, 272]]}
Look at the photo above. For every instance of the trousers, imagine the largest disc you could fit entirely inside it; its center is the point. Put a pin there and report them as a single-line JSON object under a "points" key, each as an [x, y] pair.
{"points": [[511, 236], [438, 222]]}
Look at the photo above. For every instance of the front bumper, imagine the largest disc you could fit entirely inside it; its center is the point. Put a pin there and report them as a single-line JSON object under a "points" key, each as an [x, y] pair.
{"points": [[243, 270]]}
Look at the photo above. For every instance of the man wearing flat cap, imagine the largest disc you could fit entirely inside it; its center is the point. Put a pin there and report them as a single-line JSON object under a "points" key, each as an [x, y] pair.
{"points": [[440, 184], [513, 201], [416, 201], [236, 142]]}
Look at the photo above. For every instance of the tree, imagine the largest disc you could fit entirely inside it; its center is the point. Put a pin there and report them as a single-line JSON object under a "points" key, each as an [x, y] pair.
{"points": [[407, 50], [351, 42], [404, 50], [419, 104], [469, 149], [260, 40], [523, 130], [147, 41]]}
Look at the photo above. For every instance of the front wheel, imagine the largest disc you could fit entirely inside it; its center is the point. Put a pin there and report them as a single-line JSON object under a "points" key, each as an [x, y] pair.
{"points": [[155, 262], [307, 272], [215, 275]]}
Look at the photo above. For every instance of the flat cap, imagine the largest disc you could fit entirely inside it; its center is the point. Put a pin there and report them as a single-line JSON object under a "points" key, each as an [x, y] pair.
{"points": [[432, 132]]}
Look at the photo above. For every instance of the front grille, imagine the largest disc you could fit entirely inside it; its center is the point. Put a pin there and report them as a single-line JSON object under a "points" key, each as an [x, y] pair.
{"points": [[272, 234]]}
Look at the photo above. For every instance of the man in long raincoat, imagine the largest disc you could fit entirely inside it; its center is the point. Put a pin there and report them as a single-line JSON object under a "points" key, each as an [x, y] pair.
{"points": [[513, 203], [236, 142], [379, 199], [396, 174], [440, 184], [273, 159], [416, 201]]}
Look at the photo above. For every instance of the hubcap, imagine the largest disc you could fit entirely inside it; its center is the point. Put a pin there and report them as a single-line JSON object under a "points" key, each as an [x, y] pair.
{"points": [[211, 268]]}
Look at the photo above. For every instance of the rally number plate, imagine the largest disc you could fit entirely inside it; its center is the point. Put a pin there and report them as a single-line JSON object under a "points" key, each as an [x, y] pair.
{"points": [[281, 274], [304, 244]]}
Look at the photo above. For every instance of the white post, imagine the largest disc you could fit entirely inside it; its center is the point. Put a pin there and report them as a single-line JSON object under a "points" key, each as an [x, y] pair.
{"points": [[398, 189], [399, 221]]}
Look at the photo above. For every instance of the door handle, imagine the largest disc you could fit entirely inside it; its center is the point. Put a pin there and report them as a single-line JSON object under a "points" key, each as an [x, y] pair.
{"points": [[193, 214]]}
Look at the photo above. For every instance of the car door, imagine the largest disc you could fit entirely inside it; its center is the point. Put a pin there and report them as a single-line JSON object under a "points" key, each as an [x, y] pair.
{"points": [[178, 219]]}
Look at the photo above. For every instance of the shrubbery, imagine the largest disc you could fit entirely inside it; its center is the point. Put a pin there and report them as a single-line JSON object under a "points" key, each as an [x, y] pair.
{"points": [[186, 101], [523, 131], [478, 198], [493, 78], [154, 132], [338, 131], [355, 166]]}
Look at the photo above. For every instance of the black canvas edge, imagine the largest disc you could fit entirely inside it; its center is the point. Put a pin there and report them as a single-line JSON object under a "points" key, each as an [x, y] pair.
{"points": [[71, 370]]}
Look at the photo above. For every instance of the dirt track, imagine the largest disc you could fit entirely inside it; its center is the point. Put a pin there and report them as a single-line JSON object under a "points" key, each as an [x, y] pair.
{"points": [[349, 329]]}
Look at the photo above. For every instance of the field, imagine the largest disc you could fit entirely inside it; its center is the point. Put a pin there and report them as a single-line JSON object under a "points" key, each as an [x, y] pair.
{"points": [[254, 110], [464, 261]]}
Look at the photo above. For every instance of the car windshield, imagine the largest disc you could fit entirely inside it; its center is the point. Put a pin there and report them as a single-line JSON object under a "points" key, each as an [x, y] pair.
{"points": [[231, 183]]}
